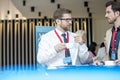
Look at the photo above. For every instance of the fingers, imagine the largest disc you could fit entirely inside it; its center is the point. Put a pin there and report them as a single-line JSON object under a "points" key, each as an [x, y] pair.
{"points": [[60, 47], [98, 63], [79, 39], [117, 62]]}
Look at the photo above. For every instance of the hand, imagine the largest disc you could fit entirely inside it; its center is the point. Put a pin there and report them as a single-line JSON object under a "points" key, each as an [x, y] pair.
{"points": [[99, 63], [79, 39], [117, 62], [59, 47]]}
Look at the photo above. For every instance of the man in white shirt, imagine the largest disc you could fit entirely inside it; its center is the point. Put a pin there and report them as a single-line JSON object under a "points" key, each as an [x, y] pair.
{"points": [[52, 48]]}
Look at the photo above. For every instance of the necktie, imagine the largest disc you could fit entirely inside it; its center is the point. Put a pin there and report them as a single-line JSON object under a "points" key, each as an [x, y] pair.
{"points": [[67, 52], [113, 54]]}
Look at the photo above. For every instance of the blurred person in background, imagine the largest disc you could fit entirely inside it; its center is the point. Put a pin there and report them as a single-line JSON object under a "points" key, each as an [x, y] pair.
{"points": [[92, 48], [112, 39]]}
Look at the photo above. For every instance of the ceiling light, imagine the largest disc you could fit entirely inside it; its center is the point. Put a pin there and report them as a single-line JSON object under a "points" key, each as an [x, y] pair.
{"points": [[88, 9], [58, 6], [8, 12], [45, 18], [52, 1], [39, 13], [16, 16], [32, 9], [90, 14], [85, 3], [24, 2]]}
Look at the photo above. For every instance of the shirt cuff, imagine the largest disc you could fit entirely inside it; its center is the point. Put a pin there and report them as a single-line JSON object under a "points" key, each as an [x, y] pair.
{"points": [[83, 47]]}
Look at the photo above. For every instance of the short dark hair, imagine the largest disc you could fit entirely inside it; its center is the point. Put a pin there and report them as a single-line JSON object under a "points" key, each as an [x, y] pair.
{"points": [[92, 47], [114, 5], [102, 44], [59, 13]]}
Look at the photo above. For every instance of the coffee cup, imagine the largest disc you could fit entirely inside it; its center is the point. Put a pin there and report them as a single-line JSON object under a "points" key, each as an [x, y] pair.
{"points": [[69, 45]]}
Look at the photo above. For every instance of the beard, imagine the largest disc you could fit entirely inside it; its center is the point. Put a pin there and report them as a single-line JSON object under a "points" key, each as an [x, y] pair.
{"points": [[65, 27], [111, 21]]}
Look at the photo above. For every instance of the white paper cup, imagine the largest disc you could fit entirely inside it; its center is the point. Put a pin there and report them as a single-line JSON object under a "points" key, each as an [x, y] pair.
{"points": [[69, 45], [110, 63]]}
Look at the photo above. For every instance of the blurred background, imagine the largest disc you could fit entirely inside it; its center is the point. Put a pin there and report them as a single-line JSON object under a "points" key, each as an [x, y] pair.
{"points": [[18, 19]]}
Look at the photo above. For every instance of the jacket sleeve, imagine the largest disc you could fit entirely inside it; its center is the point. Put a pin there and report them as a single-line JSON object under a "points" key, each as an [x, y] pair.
{"points": [[45, 51], [84, 54]]}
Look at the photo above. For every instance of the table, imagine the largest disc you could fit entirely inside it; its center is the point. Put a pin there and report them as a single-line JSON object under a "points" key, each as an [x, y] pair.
{"points": [[64, 73]]}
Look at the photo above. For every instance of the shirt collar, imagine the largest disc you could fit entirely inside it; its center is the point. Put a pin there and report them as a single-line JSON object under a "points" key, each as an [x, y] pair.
{"points": [[113, 28], [60, 32]]}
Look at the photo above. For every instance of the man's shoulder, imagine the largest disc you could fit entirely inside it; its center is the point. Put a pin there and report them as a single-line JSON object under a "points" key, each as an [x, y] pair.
{"points": [[49, 33], [109, 30]]}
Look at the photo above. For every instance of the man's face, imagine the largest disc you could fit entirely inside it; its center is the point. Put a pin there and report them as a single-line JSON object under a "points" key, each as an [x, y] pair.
{"points": [[110, 15], [65, 22]]}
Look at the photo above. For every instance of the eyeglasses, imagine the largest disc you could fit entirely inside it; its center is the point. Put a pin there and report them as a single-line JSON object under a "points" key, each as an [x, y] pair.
{"points": [[67, 19]]}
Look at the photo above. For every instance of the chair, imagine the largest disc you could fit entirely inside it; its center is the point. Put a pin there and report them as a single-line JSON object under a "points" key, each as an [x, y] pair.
{"points": [[39, 31]]}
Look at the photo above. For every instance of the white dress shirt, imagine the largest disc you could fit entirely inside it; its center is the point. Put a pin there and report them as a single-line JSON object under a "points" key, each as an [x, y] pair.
{"points": [[47, 55]]}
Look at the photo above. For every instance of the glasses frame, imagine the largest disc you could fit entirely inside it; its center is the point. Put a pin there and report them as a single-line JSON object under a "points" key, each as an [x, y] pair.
{"points": [[67, 19]]}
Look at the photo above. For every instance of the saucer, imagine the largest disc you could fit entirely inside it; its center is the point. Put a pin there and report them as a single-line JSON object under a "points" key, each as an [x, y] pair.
{"points": [[110, 63]]}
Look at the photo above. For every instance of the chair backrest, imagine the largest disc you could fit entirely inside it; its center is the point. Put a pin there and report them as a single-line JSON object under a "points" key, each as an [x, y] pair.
{"points": [[39, 31]]}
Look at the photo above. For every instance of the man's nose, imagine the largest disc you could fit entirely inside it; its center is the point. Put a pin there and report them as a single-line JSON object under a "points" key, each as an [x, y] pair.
{"points": [[106, 15]]}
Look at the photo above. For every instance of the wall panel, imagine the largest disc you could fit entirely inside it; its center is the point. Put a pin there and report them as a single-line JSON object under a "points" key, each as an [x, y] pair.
{"points": [[17, 40]]}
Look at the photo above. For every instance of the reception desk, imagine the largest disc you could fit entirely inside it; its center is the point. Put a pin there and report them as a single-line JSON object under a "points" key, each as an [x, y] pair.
{"points": [[64, 73]]}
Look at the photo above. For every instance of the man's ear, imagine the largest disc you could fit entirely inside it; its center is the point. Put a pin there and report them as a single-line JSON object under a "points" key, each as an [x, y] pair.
{"points": [[117, 13], [57, 21]]}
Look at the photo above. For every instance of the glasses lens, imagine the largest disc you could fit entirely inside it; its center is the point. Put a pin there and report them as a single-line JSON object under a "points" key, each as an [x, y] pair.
{"points": [[67, 19]]}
